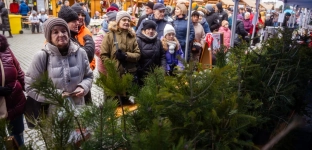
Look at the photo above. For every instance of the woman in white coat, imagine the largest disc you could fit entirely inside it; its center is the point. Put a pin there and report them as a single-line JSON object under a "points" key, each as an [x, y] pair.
{"points": [[67, 64]]}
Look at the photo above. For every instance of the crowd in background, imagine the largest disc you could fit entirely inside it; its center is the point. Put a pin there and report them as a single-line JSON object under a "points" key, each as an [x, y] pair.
{"points": [[158, 39]]}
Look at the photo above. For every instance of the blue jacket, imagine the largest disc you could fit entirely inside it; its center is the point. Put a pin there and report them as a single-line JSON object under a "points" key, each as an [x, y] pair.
{"points": [[173, 59], [205, 25], [180, 26], [23, 9], [160, 25]]}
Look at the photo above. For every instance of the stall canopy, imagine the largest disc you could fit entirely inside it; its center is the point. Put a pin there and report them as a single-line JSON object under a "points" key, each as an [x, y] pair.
{"points": [[228, 2], [251, 3], [266, 6], [300, 3]]}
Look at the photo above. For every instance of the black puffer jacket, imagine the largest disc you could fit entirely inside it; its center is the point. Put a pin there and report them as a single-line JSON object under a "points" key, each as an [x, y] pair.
{"points": [[213, 20], [5, 26], [240, 30], [221, 13], [152, 53]]}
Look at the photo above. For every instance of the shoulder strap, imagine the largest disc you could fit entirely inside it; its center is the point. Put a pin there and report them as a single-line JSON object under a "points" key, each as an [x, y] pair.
{"points": [[47, 59], [115, 41]]}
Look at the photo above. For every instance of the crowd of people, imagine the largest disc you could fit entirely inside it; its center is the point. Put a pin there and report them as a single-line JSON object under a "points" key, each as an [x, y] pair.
{"points": [[158, 40]]}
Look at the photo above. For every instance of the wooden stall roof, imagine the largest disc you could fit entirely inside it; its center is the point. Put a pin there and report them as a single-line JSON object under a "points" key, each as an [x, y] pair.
{"points": [[227, 2], [266, 6], [251, 3]]}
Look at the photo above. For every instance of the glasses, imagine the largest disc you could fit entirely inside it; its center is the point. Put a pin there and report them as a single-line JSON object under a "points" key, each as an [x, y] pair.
{"points": [[125, 20]]}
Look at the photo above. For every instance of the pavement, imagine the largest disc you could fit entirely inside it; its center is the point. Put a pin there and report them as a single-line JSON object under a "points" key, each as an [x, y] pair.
{"points": [[24, 46]]}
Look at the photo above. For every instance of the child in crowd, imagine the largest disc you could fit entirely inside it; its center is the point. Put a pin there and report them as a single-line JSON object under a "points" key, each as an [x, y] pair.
{"points": [[226, 33], [173, 49]]}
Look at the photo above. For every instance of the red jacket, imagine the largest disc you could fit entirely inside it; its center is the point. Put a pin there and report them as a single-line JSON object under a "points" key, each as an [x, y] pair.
{"points": [[14, 8], [14, 78]]}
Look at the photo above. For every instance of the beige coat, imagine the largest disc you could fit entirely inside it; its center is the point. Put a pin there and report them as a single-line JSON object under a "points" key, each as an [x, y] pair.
{"points": [[126, 42]]}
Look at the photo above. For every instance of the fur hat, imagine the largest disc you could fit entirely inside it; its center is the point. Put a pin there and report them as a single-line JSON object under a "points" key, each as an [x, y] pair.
{"points": [[183, 8], [169, 29], [50, 23], [122, 14], [149, 24], [67, 14]]}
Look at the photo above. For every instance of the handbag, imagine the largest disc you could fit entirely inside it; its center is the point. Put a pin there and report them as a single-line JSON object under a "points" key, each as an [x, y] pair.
{"points": [[3, 108], [34, 108], [196, 47]]}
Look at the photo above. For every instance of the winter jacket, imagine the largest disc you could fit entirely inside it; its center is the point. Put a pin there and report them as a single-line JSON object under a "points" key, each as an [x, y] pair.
{"points": [[33, 19], [152, 53], [180, 26], [14, 7], [226, 35], [230, 19], [126, 42], [205, 25], [5, 26], [88, 46], [213, 21], [98, 41], [14, 78], [199, 33], [240, 30], [247, 24], [23, 9], [66, 72], [268, 22], [43, 17], [160, 25], [221, 13]]}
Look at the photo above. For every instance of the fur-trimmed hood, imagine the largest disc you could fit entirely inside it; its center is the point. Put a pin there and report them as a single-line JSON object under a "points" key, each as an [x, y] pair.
{"points": [[112, 26]]}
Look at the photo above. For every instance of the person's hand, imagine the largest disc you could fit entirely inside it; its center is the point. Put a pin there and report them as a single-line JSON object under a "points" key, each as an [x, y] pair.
{"points": [[120, 55], [5, 91], [77, 93], [87, 38]]}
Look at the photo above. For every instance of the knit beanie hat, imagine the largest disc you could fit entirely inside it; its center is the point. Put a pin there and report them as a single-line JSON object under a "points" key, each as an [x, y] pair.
{"points": [[149, 24], [150, 5], [183, 8], [50, 23], [219, 5], [168, 29], [111, 16], [114, 5], [111, 8], [77, 8], [201, 13], [194, 6], [122, 14], [67, 14], [209, 8], [224, 22]]}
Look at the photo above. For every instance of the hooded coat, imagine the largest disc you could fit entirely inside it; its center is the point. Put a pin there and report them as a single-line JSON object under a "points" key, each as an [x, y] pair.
{"points": [[222, 14], [5, 26], [14, 78], [66, 72], [152, 53], [213, 20], [240, 30], [23, 9], [205, 25], [126, 42], [226, 35]]}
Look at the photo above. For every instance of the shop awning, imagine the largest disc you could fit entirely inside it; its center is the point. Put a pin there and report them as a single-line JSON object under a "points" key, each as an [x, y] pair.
{"points": [[266, 6], [251, 3], [227, 2]]}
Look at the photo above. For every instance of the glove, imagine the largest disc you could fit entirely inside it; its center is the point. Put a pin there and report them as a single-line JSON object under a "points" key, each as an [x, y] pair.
{"points": [[5, 91], [87, 38], [120, 55]]}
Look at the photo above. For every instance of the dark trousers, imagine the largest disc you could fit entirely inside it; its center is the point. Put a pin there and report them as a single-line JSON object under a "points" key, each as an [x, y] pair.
{"points": [[33, 26], [16, 127], [88, 98], [10, 34]]}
